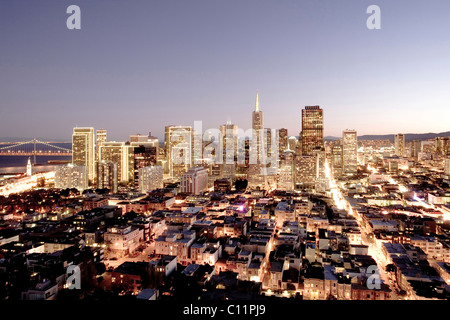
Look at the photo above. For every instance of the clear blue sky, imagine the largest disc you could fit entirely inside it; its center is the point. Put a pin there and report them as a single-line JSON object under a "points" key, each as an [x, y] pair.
{"points": [[136, 66]]}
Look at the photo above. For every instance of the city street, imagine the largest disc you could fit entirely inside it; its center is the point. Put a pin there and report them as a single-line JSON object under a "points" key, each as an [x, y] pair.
{"points": [[135, 257], [374, 251]]}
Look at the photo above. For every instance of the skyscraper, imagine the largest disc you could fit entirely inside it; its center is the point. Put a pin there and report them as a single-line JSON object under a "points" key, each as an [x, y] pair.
{"points": [[286, 171], [399, 141], [144, 156], [321, 181], [83, 152], [442, 146], [336, 160], [349, 152], [415, 148], [101, 136], [230, 145], [146, 150], [178, 144], [305, 171], [229, 133], [122, 155], [282, 140], [256, 170], [312, 129], [107, 177]]}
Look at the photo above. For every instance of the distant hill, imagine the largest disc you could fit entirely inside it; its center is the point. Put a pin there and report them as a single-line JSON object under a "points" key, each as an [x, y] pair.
{"points": [[390, 137], [330, 138]]}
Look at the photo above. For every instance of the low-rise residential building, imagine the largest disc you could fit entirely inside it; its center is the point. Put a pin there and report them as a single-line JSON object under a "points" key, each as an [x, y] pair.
{"points": [[123, 240]]}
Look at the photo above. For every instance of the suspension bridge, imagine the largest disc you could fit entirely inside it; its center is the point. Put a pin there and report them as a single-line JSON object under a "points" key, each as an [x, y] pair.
{"points": [[34, 148]]}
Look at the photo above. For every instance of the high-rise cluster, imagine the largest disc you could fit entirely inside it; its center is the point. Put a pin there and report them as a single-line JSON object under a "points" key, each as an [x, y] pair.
{"points": [[267, 159]]}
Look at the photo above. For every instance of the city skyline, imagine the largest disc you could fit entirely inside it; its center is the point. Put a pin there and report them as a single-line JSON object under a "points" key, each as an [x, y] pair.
{"points": [[259, 153], [157, 64]]}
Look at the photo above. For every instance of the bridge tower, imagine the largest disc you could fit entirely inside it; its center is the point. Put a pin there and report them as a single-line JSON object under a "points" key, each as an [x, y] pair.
{"points": [[34, 151]]}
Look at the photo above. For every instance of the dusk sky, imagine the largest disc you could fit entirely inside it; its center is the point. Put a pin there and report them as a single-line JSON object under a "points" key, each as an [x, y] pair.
{"points": [[136, 66]]}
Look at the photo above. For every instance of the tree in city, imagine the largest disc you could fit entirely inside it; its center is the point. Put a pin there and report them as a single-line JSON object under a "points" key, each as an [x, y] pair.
{"points": [[391, 268], [240, 184]]}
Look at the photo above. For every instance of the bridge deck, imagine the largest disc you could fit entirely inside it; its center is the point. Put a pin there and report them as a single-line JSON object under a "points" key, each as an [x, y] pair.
{"points": [[40, 153]]}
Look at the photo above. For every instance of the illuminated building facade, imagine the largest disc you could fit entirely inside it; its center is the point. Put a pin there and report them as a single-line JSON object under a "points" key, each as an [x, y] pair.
{"points": [[399, 141], [101, 136], [178, 145], [349, 152], [415, 148], [442, 146], [321, 181], [107, 177], [229, 133], [144, 156], [150, 178], [83, 152], [305, 171], [282, 140], [336, 161], [194, 181], [257, 171], [71, 176], [286, 172], [122, 155], [312, 129]]}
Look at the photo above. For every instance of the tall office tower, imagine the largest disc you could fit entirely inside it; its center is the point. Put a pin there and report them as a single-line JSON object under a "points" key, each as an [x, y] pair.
{"points": [[230, 134], [399, 141], [415, 147], [319, 155], [194, 181], [350, 152], [427, 146], [107, 177], [146, 151], [442, 146], [257, 171], [71, 176], [447, 166], [286, 172], [230, 150], [321, 181], [282, 141], [312, 129], [271, 144], [336, 161], [305, 171], [83, 150], [178, 144], [121, 154], [150, 178], [144, 156], [101, 136]]}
